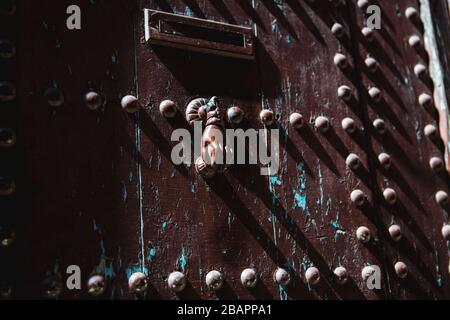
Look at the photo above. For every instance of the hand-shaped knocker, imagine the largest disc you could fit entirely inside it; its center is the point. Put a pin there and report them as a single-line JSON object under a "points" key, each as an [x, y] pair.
{"points": [[212, 158]]}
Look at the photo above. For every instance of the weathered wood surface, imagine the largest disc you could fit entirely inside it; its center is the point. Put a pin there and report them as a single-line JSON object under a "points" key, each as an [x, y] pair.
{"points": [[101, 191]]}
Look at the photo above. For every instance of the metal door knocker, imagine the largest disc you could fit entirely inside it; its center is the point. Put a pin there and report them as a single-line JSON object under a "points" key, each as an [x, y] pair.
{"points": [[211, 160]]}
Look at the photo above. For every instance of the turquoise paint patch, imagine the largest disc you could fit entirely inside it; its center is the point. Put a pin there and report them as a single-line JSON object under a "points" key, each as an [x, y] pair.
{"points": [[136, 268], [182, 261], [440, 281], [283, 292]]}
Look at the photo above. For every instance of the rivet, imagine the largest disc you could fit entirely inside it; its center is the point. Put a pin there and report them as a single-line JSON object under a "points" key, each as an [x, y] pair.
{"points": [[441, 198], [430, 131], [138, 283], [93, 100], [282, 277], [414, 41], [54, 96], [214, 280], [267, 117], [53, 287], [371, 64], [168, 109], [96, 285], [385, 160], [338, 29], [340, 60], [130, 104], [390, 196], [7, 91], [446, 232], [358, 197], [436, 164], [7, 186], [322, 124], [420, 70], [368, 272], [363, 4], [348, 124], [7, 236], [235, 115], [7, 49], [296, 120], [411, 13], [312, 276], [7, 7], [176, 281], [363, 234], [353, 161], [341, 275], [379, 125], [395, 232], [375, 94], [425, 100], [401, 270], [345, 93], [367, 33], [249, 278], [7, 138]]}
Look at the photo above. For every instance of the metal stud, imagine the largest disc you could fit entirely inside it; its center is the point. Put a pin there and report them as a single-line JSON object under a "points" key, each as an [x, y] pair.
{"points": [[385, 160], [441, 198], [358, 197], [235, 115], [138, 283], [7, 91], [411, 13], [176, 281], [322, 124], [7, 49], [425, 100], [341, 275], [312, 276], [7, 186], [363, 4], [96, 285], [282, 277], [395, 232], [420, 70], [340, 60], [93, 100], [214, 280], [7, 236], [367, 33], [436, 164], [53, 287], [54, 96], [348, 124], [168, 109], [379, 125], [446, 232], [353, 161], [401, 269], [345, 93], [430, 131], [7, 138], [296, 120], [363, 234], [130, 104], [390, 196], [375, 94], [267, 117], [249, 278], [338, 29], [415, 42], [371, 64]]}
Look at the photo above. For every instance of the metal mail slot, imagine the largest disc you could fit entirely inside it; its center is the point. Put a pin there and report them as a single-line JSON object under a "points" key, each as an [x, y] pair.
{"points": [[200, 35]]}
